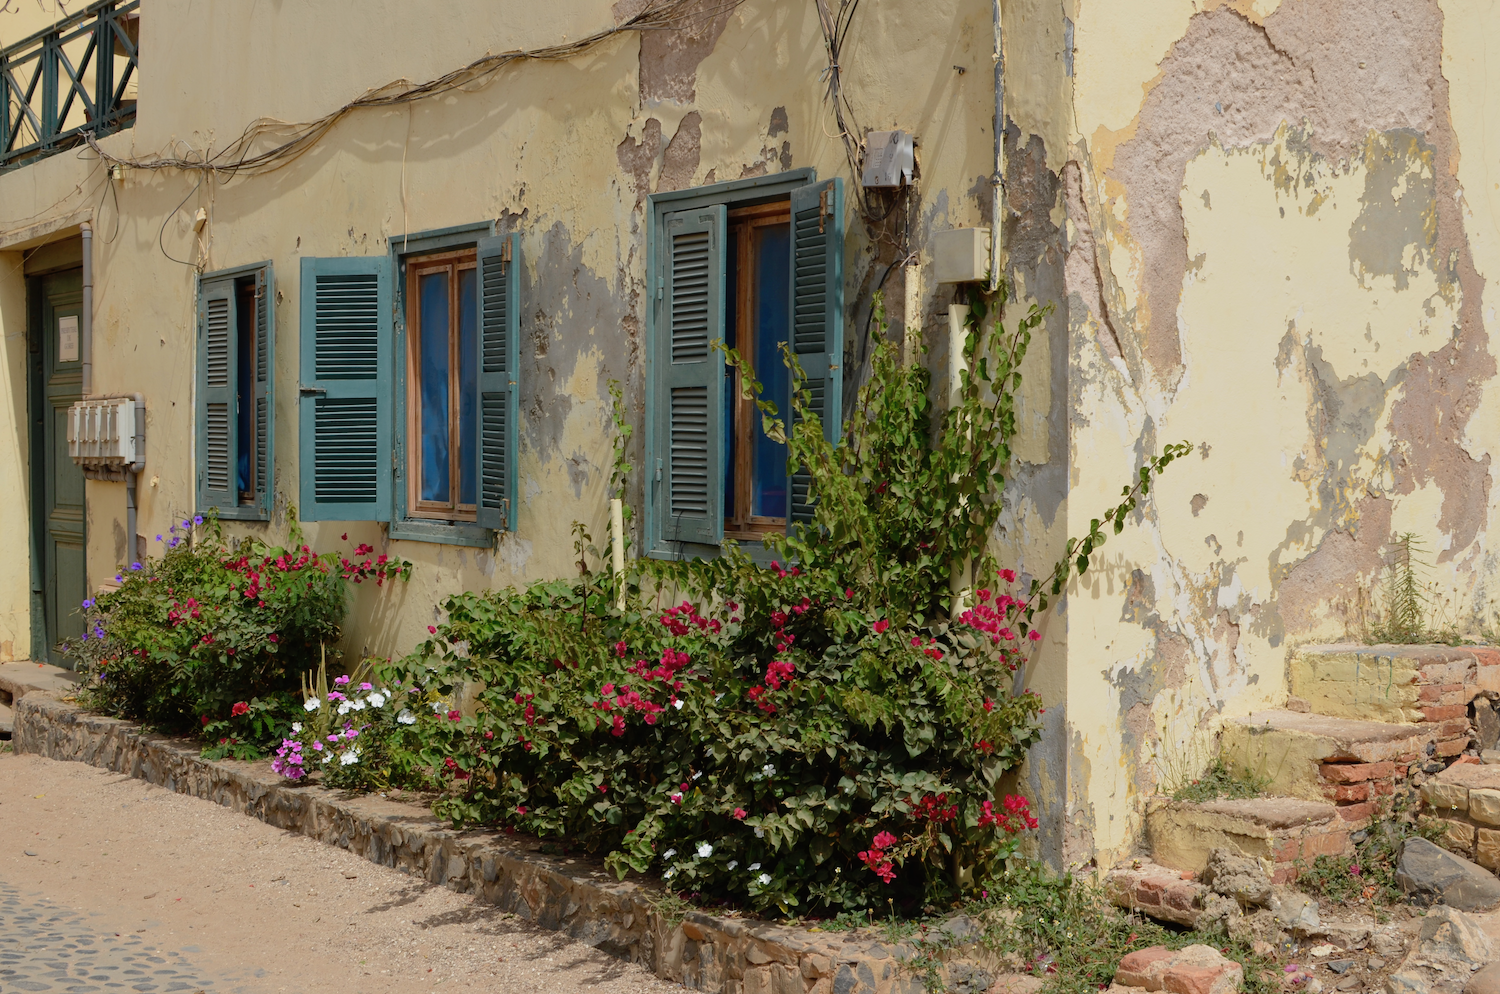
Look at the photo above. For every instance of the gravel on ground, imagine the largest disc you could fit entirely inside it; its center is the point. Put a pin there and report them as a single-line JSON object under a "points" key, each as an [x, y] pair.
{"points": [[238, 905]]}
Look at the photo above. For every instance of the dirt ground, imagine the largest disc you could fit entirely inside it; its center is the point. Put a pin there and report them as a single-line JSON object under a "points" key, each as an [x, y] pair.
{"points": [[250, 907]]}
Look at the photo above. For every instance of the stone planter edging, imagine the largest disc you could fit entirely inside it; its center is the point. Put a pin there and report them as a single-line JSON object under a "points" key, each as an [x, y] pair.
{"points": [[572, 895]]}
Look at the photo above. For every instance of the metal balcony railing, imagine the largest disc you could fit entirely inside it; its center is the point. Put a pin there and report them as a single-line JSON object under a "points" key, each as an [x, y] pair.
{"points": [[76, 77]]}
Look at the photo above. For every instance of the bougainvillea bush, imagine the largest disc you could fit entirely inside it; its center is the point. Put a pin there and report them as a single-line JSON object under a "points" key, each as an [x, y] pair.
{"points": [[825, 734], [213, 635]]}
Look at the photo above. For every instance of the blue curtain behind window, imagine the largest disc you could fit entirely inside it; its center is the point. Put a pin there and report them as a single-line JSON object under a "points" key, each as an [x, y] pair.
{"points": [[468, 386], [433, 296], [772, 284]]}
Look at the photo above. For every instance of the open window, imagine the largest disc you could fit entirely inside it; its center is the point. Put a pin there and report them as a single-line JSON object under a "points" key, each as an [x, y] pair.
{"points": [[756, 266], [413, 421], [236, 395]]}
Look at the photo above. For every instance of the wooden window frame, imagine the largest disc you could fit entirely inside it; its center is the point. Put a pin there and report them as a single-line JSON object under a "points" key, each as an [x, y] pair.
{"points": [[743, 222], [452, 262]]}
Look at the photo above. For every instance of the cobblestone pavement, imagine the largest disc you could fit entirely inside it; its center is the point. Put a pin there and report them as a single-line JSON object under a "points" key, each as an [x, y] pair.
{"points": [[109, 884], [47, 948]]}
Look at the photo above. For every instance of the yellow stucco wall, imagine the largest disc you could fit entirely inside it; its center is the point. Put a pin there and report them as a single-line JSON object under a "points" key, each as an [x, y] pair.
{"points": [[1293, 208]]}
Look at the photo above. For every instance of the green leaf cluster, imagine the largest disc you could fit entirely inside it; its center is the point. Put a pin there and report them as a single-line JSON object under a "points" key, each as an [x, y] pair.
{"points": [[212, 622]]}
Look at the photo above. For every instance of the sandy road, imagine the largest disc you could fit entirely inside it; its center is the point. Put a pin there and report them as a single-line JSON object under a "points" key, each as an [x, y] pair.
{"points": [[110, 884]]}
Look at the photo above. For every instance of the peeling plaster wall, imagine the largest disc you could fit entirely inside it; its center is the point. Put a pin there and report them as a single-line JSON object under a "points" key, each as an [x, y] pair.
{"points": [[1278, 252], [563, 152]]}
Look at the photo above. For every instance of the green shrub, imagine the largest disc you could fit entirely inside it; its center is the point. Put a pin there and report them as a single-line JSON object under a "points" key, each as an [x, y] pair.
{"points": [[212, 636], [827, 735]]}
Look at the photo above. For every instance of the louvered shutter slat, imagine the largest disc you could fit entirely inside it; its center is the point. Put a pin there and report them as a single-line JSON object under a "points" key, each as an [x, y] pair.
{"points": [[497, 345], [264, 391], [217, 426], [689, 423], [344, 409], [817, 319]]}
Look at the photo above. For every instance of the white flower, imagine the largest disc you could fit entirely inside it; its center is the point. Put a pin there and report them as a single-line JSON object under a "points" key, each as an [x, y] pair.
{"points": [[677, 704], [669, 875], [758, 833], [357, 704], [754, 866], [765, 878], [406, 717], [669, 854], [343, 707], [311, 704], [377, 700], [733, 863], [768, 770], [327, 755], [438, 707], [351, 757], [705, 850], [296, 728], [697, 775]]}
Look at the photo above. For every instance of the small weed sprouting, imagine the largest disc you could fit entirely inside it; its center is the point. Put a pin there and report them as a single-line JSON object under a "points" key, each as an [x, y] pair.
{"points": [[1369, 874], [1410, 612], [1223, 780]]}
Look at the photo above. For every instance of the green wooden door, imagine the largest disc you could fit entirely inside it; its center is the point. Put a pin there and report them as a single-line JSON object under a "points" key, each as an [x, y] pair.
{"points": [[57, 483]]}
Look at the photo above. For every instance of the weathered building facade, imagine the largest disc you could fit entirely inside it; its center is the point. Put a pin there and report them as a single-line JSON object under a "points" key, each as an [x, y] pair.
{"points": [[1265, 227]]}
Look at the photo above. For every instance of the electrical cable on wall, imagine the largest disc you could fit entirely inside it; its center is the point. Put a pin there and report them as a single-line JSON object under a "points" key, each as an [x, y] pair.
{"points": [[236, 157]]}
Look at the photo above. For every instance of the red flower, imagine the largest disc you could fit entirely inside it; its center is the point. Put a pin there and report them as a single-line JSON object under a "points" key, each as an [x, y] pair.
{"points": [[239, 709], [205, 719], [1034, 635], [881, 626], [273, 637], [454, 715], [432, 629], [740, 813]]}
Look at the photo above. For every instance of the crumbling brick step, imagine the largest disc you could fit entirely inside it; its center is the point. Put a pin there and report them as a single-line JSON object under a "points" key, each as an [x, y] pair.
{"points": [[1282, 831], [1292, 749], [1393, 683]]}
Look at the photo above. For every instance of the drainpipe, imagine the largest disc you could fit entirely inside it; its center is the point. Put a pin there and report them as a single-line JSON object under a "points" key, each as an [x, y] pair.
{"points": [[132, 474], [998, 179], [86, 333]]}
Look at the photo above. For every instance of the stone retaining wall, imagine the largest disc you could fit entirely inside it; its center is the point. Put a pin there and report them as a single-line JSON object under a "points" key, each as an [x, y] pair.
{"points": [[572, 895]]}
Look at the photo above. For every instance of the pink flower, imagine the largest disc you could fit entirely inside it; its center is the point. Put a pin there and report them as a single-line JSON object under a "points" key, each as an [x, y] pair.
{"points": [[1008, 575], [883, 841], [676, 798], [620, 649], [273, 637], [740, 813], [455, 715], [1034, 635], [432, 629], [240, 708], [881, 626]]}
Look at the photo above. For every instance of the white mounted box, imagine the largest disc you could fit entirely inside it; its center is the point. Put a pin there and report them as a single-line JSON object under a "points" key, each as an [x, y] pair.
{"points": [[102, 432], [960, 255], [890, 159]]}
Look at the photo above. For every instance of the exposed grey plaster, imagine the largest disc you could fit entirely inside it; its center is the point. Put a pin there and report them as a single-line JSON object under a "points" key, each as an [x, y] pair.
{"points": [[1396, 210]]}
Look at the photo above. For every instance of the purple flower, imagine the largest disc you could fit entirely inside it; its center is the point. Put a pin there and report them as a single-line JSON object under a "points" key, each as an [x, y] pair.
{"points": [[186, 523], [174, 542], [119, 578], [135, 566], [158, 538], [197, 519]]}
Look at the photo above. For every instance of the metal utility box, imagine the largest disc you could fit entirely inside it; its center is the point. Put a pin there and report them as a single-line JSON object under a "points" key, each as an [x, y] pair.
{"points": [[961, 255], [890, 157], [106, 433]]}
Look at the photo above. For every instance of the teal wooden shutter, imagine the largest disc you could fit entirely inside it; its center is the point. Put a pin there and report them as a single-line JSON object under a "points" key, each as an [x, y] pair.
{"points": [[264, 392], [817, 323], [688, 422], [344, 407], [498, 347], [217, 425]]}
